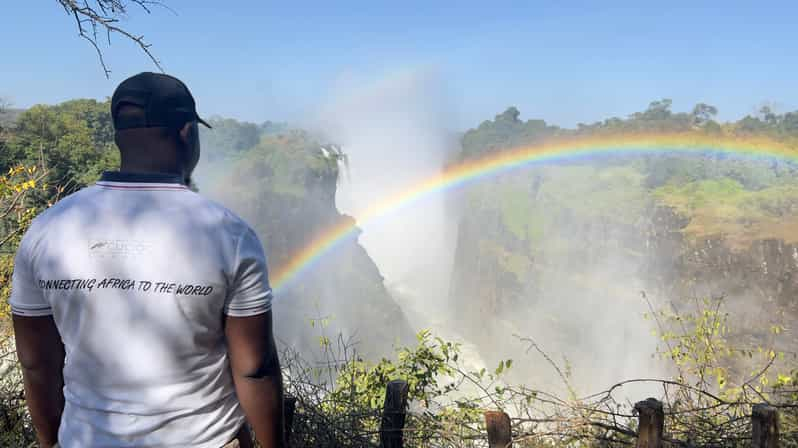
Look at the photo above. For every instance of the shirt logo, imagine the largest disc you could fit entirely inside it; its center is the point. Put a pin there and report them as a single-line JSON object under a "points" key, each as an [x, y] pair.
{"points": [[118, 248]]}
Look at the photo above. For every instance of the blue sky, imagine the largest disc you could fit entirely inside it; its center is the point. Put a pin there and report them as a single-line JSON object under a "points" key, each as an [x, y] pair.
{"points": [[565, 62]]}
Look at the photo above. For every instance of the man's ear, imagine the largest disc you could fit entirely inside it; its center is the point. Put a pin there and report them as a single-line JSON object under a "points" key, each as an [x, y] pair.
{"points": [[185, 133]]}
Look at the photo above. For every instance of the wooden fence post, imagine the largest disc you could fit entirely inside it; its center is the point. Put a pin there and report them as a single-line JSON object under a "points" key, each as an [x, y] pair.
{"points": [[289, 407], [764, 426], [499, 430], [393, 415], [652, 423]]}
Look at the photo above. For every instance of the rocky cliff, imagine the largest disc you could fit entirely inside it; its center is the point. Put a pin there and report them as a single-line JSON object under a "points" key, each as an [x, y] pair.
{"points": [[285, 187]]}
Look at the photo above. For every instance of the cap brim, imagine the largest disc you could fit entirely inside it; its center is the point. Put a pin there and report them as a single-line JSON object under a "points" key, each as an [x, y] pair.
{"points": [[204, 122]]}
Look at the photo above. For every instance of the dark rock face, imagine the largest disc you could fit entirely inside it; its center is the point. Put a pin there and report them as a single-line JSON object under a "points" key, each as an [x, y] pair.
{"points": [[478, 278], [759, 282], [766, 271]]}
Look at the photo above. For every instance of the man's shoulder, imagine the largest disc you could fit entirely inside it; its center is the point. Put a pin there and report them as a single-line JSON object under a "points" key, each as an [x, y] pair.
{"points": [[43, 223], [68, 202], [218, 214]]}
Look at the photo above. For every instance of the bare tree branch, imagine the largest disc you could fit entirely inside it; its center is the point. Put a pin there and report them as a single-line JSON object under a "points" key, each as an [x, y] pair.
{"points": [[95, 17]]}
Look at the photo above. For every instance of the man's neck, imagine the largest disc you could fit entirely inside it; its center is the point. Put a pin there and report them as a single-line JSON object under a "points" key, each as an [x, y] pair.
{"points": [[144, 167]]}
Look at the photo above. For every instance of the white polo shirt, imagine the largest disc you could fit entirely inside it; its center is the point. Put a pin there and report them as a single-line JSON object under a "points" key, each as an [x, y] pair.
{"points": [[138, 272]]}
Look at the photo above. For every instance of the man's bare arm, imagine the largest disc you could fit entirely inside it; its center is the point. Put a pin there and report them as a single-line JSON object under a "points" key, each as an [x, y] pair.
{"points": [[257, 377], [41, 354]]}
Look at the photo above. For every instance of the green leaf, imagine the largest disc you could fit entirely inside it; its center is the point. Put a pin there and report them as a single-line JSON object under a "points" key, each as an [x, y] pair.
{"points": [[500, 369]]}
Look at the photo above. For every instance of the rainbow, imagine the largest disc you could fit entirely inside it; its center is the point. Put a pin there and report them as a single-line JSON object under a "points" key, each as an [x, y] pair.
{"points": [[562, 150]]}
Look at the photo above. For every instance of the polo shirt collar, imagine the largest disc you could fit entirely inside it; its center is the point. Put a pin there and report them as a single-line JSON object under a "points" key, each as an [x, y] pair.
{"points": [[152, 178]]}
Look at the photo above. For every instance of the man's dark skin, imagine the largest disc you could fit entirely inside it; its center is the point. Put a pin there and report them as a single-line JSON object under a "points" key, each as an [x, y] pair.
{"points": [[250, 341]]}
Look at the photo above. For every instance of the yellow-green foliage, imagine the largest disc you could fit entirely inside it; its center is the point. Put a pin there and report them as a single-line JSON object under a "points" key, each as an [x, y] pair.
{"points": [[721, 377], [16, 216], [566, 195], [586, 193], [700, 345], [614, 193], [723, 207], [519, 213], [518, 264]]}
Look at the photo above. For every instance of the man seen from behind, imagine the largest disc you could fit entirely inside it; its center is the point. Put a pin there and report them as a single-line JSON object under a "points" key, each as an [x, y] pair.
{"points": [[142, 311]]}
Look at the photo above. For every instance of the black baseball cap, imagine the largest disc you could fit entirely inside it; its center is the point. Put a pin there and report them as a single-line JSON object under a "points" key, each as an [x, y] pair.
{"points": [[166, 101]]}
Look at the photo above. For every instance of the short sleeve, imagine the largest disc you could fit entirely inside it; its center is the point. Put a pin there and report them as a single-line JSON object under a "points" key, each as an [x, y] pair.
{"points": [[250, 293], [26, 299]]}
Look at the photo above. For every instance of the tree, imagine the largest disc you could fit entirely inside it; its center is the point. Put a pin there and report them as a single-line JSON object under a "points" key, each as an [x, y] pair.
{"points": [[228, 138], [769, 116], [750, 125], [3, 151], [658, 110], [509, 115], [703, 113], [72, 140], [789, 123], [94, 18]]}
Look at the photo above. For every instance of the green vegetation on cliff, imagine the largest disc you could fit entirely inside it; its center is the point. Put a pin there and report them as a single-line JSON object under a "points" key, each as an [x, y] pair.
{"points": [[553, 240], [724, 207], [720, 196]]}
